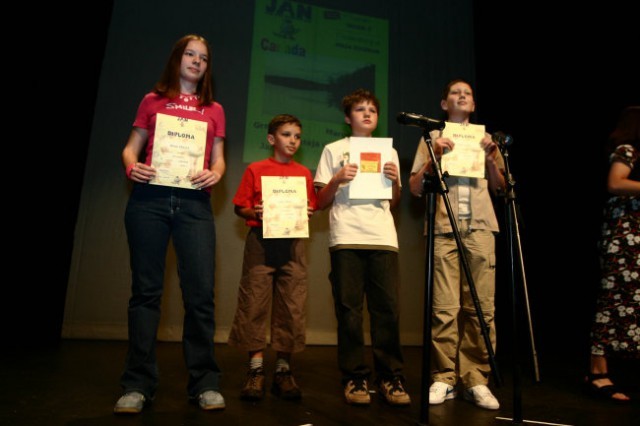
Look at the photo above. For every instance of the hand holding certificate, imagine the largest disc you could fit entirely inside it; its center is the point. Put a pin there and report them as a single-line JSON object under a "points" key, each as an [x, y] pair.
{"points": [[178, 150], [284, 212], [467, 157], [370, 154]]}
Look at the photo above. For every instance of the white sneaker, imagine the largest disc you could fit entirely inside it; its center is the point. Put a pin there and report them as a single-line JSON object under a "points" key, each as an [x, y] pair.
{"points": [[130, 403], [482, 397], [356, 391], [211, 400], [439, 392]]}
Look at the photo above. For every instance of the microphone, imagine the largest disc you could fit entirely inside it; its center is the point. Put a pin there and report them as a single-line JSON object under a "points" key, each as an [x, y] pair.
{"points": [[502, 139], [413, 119]]}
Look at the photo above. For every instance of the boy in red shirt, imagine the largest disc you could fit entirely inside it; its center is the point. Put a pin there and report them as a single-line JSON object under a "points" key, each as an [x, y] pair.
{"points": [[274, 270]]}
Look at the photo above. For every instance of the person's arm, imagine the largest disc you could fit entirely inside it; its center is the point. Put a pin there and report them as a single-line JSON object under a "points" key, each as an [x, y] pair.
{"points": [[248, 213], [415, 180], [137, 172], [218, 164], [618, 182], [495, 175], [439, 147], [327, 193]]}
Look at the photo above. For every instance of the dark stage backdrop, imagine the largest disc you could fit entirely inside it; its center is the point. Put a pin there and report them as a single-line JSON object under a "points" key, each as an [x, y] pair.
{"points": [[557, 82]]}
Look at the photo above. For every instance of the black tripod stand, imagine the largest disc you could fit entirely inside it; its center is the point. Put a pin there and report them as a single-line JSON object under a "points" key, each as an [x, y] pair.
{"points": [[516, 266], [435, 184]]}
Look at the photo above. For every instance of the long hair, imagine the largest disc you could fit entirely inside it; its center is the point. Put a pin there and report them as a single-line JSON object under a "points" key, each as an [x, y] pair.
{"points": [[169, 83], [627, 131]]}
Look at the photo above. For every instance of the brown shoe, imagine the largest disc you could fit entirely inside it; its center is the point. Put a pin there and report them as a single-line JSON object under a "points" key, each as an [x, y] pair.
{"points": [[356, 392], [253, 388], [393, 391], [285, 386]]}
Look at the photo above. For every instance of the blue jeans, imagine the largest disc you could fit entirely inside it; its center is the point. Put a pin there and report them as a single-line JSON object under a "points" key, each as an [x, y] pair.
{"points": [[154, 215], [374, 274]]}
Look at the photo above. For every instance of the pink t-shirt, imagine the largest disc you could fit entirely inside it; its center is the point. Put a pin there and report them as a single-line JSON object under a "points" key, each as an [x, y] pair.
{"points": [[185, 106]]}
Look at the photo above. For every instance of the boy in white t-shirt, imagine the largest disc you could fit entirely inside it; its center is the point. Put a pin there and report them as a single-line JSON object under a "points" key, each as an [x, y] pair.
{"points": [[363, 246]]}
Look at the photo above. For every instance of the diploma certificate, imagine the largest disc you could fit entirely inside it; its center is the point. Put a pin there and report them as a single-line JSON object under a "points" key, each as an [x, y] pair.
{"points": [[178, 150], [370, 154], [467, 156], [284, 208]]}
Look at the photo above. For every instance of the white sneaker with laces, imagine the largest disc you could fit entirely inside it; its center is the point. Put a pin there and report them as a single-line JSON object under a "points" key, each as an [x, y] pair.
{"points": [[356, 392], [482, 397], [439, 392]]}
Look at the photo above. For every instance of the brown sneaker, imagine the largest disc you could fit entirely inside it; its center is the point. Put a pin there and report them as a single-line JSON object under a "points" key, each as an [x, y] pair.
{"points": [[285, 386], [253, 388], [393, 392], [356, 392]]}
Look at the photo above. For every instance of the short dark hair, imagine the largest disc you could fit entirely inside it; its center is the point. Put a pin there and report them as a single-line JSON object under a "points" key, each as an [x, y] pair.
{"points": [[281, 119], [447, 88], [359, 96]]}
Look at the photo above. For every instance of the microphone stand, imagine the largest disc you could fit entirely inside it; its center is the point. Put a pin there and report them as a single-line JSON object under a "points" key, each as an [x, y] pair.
{"points": [[515, 251], [431, 186]]}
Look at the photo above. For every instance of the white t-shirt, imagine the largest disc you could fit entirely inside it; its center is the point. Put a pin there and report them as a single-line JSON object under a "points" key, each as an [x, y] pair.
{"points": [[355, 222]]}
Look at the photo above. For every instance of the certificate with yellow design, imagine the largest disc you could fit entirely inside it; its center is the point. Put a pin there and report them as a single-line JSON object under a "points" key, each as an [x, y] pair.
{"points": [[467, 156], [178, 150], [370, 154], [284, 207]]}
